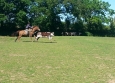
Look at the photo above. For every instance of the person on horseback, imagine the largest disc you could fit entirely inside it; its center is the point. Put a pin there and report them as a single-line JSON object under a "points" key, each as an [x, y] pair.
{"points": [[28, 26]]}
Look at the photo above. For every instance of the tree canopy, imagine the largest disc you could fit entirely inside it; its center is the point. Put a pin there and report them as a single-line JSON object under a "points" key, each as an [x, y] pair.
{"points": [[93, 16]]}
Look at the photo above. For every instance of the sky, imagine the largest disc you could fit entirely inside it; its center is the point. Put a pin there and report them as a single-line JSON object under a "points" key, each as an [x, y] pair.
{"points": [[111, 2]]}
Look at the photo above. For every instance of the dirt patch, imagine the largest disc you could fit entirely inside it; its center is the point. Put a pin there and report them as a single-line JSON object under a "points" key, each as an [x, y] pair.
{"points": [[111, 81]]}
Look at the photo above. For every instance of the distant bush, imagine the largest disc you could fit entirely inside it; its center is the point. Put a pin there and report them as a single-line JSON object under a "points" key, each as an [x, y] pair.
{"points": [[88, 34]]}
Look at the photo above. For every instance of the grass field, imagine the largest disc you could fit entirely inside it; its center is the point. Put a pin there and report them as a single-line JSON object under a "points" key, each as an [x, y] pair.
{"points": [[66, 60]]}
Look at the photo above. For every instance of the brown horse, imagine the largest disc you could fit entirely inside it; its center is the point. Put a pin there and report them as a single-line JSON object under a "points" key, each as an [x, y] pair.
{"points": [[21, 33]]}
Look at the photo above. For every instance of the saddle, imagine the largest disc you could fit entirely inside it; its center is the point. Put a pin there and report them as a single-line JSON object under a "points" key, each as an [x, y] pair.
{"points": [[26, 31]]}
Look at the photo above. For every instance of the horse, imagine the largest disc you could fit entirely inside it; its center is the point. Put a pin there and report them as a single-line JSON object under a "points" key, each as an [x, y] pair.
{"points": [[31, 32], [44, 34]]}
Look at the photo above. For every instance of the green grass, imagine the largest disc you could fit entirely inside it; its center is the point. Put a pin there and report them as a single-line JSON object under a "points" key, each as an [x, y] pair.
{"points": [[72, 59]]}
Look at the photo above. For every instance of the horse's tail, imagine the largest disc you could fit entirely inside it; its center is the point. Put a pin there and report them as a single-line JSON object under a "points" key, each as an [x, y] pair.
{"points": [[16, 33]]}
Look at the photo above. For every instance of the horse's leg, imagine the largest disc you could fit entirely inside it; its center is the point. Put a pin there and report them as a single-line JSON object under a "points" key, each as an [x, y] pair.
{"points": [[49, 37], [31, 38], [30, 35], [17, 34], [35, 38], [16, 39], [19, 37], [38, 38]]}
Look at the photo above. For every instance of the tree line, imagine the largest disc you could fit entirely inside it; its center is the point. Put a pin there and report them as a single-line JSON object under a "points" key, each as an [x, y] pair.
{"points": [[88, 17]]}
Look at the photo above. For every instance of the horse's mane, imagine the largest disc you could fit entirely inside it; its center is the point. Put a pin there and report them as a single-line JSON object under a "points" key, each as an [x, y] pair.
{"points": [[34, 26]]}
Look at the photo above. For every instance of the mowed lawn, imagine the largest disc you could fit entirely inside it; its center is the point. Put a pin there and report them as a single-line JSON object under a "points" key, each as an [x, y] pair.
{"points": [[67, 59]]}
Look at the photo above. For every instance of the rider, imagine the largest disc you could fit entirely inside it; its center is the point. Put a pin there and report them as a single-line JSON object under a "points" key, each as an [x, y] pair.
{"points": [[28, 26]]}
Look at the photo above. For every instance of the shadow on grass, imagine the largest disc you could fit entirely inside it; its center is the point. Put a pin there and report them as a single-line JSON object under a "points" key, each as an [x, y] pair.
{"points": [[27, 41], [42, 41], [48, 42]]}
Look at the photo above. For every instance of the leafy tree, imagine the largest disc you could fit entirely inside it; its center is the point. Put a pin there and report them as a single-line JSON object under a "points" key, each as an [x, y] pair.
{"points": [[45, 13], [112, 27], [92, 13], [81, 15]]}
